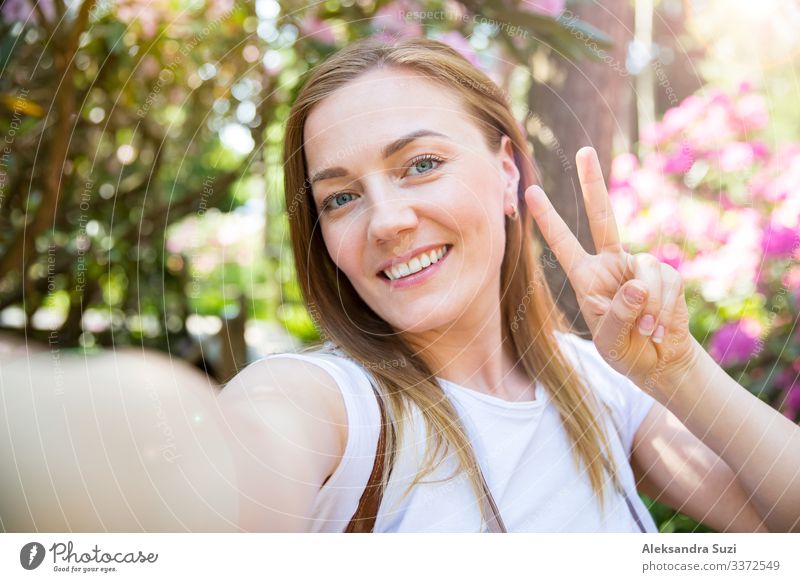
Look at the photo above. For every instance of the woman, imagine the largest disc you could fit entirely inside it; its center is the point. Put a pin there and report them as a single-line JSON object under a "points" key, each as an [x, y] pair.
{"points": [[412, 200]]}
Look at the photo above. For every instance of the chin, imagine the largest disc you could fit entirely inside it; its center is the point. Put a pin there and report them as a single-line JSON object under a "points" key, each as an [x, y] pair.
{"points": [[418, 321]]}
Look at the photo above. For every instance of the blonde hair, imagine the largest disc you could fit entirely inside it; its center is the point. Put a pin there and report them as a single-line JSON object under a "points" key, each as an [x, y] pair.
{"points": [[347, 321]]}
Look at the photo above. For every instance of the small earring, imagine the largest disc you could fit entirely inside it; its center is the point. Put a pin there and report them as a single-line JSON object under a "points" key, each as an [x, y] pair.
{"points": [[514, 213]]}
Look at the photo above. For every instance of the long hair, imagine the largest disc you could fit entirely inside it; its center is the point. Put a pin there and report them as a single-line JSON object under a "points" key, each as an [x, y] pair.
{"points": [[529, 314]]}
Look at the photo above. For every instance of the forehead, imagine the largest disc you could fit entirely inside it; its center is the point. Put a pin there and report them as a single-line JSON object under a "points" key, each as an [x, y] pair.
{"points": [[377, 107]]}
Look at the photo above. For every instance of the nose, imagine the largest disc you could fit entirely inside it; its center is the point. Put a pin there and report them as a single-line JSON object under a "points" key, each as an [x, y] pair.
{"points": [[391, 217]]}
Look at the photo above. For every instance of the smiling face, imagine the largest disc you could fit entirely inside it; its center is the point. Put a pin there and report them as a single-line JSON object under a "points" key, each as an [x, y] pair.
{"points": [[398, 166]]}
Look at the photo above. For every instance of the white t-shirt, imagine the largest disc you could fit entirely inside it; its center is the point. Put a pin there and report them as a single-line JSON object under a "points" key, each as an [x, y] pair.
{"points": [[523, 451]]}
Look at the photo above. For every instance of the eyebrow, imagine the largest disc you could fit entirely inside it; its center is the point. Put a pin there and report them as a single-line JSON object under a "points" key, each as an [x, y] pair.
{"points": [[395, 146]]}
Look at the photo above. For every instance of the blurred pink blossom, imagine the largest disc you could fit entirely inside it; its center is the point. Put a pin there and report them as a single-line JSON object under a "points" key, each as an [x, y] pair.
{"points": [[147, 13], [716, 128], [546, 7], [669, 253], [681, 161], [735, 157], [650, 184], [457, 41], [625, 203], [791, 278], [751, 113], [781, 177], [319, 30], [219, 8], [780, 241], [678, 119], [792, 400], [22, 10], [736, 342], [390, 22], [759, 149], [653, 134], [700, 221], [622, 168]]}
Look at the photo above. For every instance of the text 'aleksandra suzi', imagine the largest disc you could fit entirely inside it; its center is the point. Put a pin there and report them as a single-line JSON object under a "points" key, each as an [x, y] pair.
{"points": [[689, 549]]}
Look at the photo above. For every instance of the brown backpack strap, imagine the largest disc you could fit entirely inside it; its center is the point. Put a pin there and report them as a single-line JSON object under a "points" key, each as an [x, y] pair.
{"points": [[495, 523], [363, 520]]}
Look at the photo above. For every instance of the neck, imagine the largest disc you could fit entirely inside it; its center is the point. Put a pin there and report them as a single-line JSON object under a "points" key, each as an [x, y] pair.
{"points": [[473, 353]]}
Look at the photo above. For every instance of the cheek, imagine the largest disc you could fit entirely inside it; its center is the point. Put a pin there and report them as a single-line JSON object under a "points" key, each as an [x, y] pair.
{"points": [[478, 213], [343, 247]]}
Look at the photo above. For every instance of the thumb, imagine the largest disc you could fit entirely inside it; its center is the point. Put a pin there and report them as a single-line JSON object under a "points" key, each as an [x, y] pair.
{"points": [[614, 329]]}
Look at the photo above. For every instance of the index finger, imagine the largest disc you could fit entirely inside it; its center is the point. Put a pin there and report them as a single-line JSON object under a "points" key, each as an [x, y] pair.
{"points": [[555, 231], [598, 205]]}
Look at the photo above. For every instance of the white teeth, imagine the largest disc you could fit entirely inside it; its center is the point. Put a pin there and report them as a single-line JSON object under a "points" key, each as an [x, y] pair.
{"points": [[416, 264]]}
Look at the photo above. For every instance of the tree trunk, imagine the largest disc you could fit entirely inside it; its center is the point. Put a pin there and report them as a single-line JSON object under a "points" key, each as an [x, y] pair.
{"points": [[579, 103]]}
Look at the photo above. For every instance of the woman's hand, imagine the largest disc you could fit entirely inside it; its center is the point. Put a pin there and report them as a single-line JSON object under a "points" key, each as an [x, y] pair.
{"points": [[634, 305]]}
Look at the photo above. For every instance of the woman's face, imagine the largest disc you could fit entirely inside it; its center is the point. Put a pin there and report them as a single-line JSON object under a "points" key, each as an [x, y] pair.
{"points": [[398, 167]]}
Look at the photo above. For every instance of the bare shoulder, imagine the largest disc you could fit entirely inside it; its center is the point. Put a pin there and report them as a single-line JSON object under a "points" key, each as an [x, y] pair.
{"points": [[301, 393]]}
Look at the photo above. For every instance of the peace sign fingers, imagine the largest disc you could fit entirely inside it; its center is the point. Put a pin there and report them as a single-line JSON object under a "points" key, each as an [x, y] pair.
{"points": [[598, 205], [555, 231]]}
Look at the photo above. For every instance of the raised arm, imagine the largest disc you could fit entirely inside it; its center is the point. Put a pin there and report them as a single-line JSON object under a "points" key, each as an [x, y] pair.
{"points": [[286, 426], [761, 446]]}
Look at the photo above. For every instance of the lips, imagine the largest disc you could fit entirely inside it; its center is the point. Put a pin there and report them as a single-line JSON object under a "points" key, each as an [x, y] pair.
{"points": [[417, 263], [418, 277], [406, 257]]}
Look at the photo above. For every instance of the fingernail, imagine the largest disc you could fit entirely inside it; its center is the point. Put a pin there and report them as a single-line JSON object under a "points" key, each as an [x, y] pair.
{"points": [[634, 294], [658, 336], [646, 324]]}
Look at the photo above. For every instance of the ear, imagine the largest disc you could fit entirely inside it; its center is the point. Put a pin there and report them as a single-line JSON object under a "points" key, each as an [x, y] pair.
{"points": [[510, 172]]}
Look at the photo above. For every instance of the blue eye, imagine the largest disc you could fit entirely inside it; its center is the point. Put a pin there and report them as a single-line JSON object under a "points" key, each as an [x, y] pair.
{"points": [[330, 199], [425, 161]]}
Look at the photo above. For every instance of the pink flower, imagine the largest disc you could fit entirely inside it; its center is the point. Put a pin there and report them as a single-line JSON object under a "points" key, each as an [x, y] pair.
{"points": [[736, 342], [735, 156], [681, 161], [622, 168], [390, 21], [751, 113], [625, 203], [791, 401], [654, 134], [791, 278], [759, 148], [780, 241], [457, 41], [781, 177], [22, 11], [716, 127], [547, 7], [669, 253], [314, 28], [665, 212], [219, 8], [679, 118]]}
